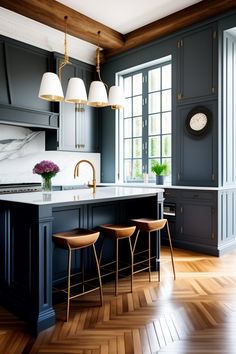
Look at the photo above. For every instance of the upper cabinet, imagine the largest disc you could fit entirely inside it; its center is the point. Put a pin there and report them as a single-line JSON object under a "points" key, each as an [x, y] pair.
{"points": [[78, 127], [21, 70], [196, 110], [197, 64], [25, 68]]}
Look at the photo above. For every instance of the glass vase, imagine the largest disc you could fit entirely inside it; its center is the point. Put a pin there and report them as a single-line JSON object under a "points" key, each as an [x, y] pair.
{"points": [[46, 184]]}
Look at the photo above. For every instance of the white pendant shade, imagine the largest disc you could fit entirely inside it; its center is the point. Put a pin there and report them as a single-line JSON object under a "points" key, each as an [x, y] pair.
{"points": [[76, 92], [97, 96], [50, 88], [116, 97]]}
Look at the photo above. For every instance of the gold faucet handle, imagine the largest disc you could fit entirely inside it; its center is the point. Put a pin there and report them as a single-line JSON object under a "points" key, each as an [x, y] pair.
{"points": [[93, 185]]}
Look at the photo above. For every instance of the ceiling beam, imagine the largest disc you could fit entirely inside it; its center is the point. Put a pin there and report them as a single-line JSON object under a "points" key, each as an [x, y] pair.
{"points": [[173, 23], [52, 13]]}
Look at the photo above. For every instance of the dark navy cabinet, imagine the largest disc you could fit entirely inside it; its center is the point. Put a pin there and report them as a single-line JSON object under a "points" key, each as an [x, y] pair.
{"points": [[197, 64], [197, 227], [197, 156], [78, 128], [25, 67], [194, 221], [21, 70]]}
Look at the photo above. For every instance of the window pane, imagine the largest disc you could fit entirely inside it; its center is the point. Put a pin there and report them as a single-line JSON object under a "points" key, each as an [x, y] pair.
{"points": [[166, 76], [154, 102], [137, 144], [127, 169], [154, 146], [137, 126], [154, 80], [137, 169], [128, 128], [154, 126], [137, 106], [168, 161], [166, 100], [166, 123], [137, 84], [128, 148], [127, 109], [166, 145], [147, 127], [127, 86]]}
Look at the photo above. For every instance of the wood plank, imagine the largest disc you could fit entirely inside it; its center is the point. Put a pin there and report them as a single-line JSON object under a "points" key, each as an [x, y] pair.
{"points": [[179, 318], [52, 13], [173, 23]]}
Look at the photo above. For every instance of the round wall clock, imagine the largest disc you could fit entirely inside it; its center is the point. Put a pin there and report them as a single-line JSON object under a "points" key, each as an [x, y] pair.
{"points": [[198, 121]]}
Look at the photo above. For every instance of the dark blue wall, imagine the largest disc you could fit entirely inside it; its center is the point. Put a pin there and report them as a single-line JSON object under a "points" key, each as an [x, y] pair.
{"points": [[153, 51]]}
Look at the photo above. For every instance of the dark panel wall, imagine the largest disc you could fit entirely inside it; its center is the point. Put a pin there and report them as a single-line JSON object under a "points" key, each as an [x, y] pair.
{"points": [[195, 77]]}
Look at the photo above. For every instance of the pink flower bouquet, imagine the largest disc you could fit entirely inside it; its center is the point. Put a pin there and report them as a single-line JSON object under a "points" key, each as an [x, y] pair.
{"points": [[47, 169]]}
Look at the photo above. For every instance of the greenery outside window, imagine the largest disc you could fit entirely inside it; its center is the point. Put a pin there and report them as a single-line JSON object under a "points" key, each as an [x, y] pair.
{"points": [[146, 128]]}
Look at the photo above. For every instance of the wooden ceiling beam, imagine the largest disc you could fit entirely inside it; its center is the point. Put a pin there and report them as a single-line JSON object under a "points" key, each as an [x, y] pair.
{"points": [[173, 23], [52, 13]]}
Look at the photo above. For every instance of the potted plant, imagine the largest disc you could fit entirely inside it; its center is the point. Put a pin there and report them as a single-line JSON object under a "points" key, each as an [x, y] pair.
{"points": [[161, 170]]}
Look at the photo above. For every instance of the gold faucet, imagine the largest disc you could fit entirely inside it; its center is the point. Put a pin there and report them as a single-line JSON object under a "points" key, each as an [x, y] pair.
{"points": [[76, 173]]}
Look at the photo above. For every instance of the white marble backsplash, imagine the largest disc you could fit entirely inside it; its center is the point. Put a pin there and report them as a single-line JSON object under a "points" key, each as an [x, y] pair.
{"points": [[21, 149]]}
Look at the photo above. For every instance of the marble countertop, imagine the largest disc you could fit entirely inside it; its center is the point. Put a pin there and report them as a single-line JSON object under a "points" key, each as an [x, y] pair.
{"points": [[80, 195], [165, 186]]}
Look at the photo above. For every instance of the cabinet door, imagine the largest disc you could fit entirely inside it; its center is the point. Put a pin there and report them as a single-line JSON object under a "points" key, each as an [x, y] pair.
{"points": [[78, 127], [197, 217], [67, 113], [196, 157], [197, 62], [197, 223]]}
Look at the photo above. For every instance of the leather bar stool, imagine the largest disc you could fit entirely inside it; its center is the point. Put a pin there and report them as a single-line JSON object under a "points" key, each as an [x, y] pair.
{"points": [[150, 225], [72, 240], [118, 233]]}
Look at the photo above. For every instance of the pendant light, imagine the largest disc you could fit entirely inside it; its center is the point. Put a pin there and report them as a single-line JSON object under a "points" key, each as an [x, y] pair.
{"points": [[51, 89], [116, 97], [97, 96]]}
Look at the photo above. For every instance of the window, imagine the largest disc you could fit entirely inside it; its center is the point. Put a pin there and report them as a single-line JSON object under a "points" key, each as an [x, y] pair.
{"points": [[145, 129]]}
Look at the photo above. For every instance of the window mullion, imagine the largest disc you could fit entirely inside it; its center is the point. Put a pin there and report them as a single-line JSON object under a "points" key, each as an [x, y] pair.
{"points": [[145, 123]]}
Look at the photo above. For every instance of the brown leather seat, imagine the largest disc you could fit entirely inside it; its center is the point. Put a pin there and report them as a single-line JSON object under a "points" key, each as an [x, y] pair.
{"points": [[118, 232], [150, 225], [77, 239]]}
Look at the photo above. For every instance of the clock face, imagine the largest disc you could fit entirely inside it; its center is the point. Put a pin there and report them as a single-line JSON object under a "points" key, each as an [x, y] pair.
{"points": [[198, 121]]}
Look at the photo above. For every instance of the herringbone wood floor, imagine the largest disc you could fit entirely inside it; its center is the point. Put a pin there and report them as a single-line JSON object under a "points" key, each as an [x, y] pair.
{"points": [[195, 314]]}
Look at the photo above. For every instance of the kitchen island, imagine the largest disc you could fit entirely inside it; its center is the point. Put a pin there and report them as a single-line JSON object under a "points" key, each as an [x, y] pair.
{"points": [[29, 265]]}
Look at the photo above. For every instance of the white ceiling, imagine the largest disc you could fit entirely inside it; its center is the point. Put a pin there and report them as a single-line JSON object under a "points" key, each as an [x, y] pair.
{"points": [[121, 15], [127, 15]]}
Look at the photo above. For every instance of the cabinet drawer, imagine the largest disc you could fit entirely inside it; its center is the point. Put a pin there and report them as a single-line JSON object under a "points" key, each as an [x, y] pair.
{"points": [[197, 195]]}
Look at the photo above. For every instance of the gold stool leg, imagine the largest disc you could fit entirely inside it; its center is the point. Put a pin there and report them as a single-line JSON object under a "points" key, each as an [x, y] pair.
{"points": [[99, 274], [68, 285], [159, 259], [117, 266], [171, 249], [149, 255], [132, 264]]}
